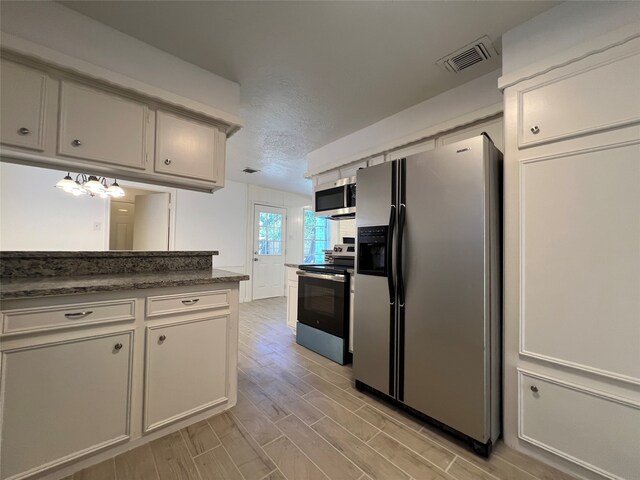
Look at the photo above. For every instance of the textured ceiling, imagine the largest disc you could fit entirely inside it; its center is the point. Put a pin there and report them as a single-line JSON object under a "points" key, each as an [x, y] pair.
{"points": [[312, 72]]}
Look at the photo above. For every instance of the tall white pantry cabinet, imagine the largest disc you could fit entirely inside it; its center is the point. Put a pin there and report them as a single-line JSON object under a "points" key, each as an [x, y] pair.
{"points": [[572, 256]]}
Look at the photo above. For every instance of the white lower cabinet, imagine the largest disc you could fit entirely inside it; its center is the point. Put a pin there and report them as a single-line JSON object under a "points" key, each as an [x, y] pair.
{"points": [[90, 374], [596, 430], [63, 399], [292, 297], [185, 369]]}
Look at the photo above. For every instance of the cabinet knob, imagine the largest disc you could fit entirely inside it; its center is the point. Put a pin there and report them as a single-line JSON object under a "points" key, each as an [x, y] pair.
{"points": [[76, 143], [117, 347], [24, 131], [167, 161], [534, 389], [535, 129], [162, 338]]}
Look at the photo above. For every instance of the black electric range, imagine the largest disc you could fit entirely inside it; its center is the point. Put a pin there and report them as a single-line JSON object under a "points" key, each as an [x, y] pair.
{"points": [[323, 310]]}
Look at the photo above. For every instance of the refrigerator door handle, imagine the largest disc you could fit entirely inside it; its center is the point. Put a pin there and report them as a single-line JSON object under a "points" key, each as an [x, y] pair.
{"points": [[399, 269], [389, 253]]}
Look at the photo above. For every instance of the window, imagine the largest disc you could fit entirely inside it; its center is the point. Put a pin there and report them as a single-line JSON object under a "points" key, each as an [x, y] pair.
{"points": [[270, 234], [316, 237]]}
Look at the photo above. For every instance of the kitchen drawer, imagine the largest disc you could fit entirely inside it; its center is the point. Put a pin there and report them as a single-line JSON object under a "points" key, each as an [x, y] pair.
{"points": [[581, 102], [186, 302], [67, 316], [580, 425]]}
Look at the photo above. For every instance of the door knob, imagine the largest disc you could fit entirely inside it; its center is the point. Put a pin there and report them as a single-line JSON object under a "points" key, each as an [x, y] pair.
{"points": [[76, 143], [24, 131], [255, 259]]}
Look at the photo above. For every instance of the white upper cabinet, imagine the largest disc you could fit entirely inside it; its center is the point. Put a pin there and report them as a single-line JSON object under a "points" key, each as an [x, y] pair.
{"points": [[188, 148], [101, 126], [580, 102], [23, 97]]}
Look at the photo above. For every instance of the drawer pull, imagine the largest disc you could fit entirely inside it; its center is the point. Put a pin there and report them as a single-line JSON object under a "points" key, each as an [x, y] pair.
{"points": [[162, 338], [117, 347], [191, 302], [535, 129], [24, 131], [78, 315], [534, 389]]}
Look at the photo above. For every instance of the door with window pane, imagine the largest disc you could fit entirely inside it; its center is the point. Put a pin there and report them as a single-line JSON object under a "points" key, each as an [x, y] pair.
{"points": [[268, 251]]}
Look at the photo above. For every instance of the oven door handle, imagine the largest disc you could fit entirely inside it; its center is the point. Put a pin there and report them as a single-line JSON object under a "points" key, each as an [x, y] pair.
{"points": [[323, 276]]}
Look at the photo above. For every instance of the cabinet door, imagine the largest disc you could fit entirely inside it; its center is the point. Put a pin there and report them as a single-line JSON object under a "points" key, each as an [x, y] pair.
{"points": [[580, 103], [187, 148], [599, 431], [186, 369], [23, 96], [97, 125], [62, 400]]}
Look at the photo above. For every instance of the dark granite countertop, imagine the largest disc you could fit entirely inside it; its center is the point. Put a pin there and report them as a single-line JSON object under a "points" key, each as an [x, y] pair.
{"points": [[29, 287], [105, 253]]}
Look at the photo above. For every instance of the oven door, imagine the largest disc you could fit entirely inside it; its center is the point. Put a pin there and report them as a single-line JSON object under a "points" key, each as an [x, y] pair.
{"points": [[323, 302]]}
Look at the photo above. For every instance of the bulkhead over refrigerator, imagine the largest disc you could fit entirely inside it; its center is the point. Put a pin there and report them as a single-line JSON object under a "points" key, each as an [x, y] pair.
{"points": [[427, 319]]}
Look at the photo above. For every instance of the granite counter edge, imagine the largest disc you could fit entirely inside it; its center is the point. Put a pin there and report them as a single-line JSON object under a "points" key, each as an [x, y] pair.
{"points": [[122, 286]]}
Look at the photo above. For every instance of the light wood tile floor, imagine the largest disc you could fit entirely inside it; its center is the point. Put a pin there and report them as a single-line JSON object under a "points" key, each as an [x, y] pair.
{"points": [[299, 417]]}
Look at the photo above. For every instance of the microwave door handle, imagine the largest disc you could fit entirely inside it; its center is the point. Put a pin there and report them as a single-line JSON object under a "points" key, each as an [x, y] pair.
{"points": [[388, 255]]}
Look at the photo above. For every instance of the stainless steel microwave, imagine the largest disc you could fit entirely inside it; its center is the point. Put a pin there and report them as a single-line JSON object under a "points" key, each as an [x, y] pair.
{"points": [[336, 199]]}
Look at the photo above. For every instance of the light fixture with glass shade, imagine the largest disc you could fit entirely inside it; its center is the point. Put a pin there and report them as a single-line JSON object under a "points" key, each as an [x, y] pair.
{"points": [[90, 185]]}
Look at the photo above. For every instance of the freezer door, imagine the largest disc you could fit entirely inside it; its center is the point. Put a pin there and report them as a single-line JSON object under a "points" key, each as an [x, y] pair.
{"points": [[374, 306], [445, 360]]}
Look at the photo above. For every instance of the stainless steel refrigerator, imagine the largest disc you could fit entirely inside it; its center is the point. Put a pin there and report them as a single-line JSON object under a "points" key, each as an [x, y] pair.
{"points": [[427, 314]]}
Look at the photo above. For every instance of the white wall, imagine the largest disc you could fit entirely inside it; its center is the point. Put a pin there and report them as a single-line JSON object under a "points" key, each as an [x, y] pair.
{"points": [[214, 222], [59, 28], [408, 125], [36, 216]]}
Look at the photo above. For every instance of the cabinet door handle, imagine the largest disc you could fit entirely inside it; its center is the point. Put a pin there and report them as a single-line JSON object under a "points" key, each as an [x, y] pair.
{"points": [[24, 131], [190, 302], [78, 315], [162, 338], [534, 389], [167, 161], [535, 129], [76, 143], [117, 347]]}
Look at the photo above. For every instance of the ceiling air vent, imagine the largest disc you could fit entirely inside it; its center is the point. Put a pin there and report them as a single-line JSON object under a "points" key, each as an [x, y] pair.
{"points": [[476, 52], [250, 170]]}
